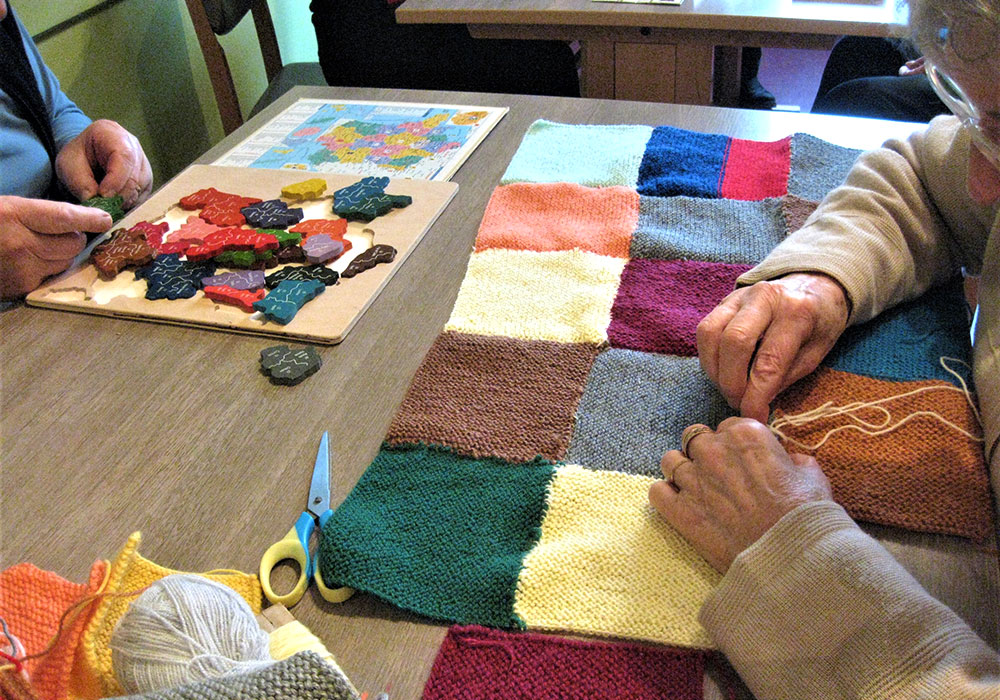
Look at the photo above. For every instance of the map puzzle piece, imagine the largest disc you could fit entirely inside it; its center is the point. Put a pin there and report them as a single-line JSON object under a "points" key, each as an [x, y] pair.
{"points": [[321, 248], [380, 253], [246, 279], [271, 213], [243, 298], [285, 300], [112, 205], [124, 248], [307, 189], [287, 366], [232, 239], [366, 199], [308, 272], [168, 277]]}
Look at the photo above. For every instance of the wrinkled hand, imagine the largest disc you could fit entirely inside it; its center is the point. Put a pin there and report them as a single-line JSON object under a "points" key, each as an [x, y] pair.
{"points": [[105, 150], [39, 238], [763, 338], [737, 484]]}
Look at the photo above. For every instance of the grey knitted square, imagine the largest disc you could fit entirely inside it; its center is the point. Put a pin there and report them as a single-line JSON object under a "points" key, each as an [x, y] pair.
{"points": [[817, 166], [635, 407]]}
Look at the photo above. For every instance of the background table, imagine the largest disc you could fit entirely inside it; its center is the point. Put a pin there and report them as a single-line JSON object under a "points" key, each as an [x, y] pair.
{"points": [[111, 426], [664, 53]]}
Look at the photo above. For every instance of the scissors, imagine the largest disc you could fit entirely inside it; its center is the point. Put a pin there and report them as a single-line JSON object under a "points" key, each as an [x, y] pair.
{"points": [[295, 545]]}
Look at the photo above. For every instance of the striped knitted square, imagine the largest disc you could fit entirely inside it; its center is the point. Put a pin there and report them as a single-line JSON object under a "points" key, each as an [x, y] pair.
{"points": [[437, 533], [907, 342], [636, 405], [680, 162], [922, 476], [32, 602], [817, 166], [713, 230], [560, 216], [564, 296], [475, 662], [491, 396], [592, 155], [607, 563], [660, 303], [756, 169]]}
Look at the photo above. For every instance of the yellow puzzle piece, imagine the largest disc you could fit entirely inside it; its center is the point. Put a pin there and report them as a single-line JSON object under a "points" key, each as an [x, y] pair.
{"points": [[307, 189]]}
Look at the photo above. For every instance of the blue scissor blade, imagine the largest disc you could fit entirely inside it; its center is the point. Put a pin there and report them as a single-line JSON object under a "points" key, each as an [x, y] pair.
{"points": [[319, 491]]}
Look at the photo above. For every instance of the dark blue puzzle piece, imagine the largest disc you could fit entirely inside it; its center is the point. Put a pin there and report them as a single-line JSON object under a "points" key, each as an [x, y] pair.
{"points": [[366, 199], [285, 300], [271, 213], [168, 277], [307, 272]]}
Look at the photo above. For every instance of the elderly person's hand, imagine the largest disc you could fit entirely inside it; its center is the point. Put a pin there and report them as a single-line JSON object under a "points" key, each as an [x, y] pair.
{"points": [[105, 159], [735, 484], [763, 338]]}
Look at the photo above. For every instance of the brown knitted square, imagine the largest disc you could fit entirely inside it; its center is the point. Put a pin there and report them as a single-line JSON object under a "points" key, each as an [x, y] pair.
{"points": [[924, 475], [796, 210], [493, 396]]}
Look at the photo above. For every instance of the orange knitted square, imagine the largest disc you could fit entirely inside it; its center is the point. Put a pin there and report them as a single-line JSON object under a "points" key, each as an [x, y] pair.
{"points": [[131, 573], [922, 475], [560, 216], [32, 602]]}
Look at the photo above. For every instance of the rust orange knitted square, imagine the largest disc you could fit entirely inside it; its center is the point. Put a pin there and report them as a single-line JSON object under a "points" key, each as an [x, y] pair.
{"points": [[924, 475], [560, 216], [32, 601], [491, 396]]}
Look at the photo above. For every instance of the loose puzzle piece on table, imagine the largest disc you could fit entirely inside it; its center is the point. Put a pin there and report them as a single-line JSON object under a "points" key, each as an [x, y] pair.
{"points": [[124, 248], [285, 300], [245, 279], [287, 366], [335, 228], [271, 213], [309, 272], [232, 239], [366, 199], [168, 277], [380, 253], [112, 205], [243, 298], [307, 189], [246, 259], [321, 248], [217, 207]]}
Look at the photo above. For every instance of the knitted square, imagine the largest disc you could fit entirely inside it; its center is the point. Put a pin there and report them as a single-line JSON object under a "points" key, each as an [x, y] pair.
{"points": [[608, 564], [660, 303], [635, 407], [922, 475], [907, 342], [592, 155], [795, 211], [817, 166], [756, 169], [560, 216], [475, 662], [564, 296], [713, 230], [32, 602], [437, 533], [491, 396], [131, 573], [681, 162]]}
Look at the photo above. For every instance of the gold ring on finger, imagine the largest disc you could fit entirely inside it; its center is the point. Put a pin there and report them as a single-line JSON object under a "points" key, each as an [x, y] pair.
{"points": [[690, 433]]}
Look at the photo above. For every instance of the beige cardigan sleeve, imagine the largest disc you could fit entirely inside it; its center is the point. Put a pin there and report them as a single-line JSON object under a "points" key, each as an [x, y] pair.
{"points": [[817, 609]]}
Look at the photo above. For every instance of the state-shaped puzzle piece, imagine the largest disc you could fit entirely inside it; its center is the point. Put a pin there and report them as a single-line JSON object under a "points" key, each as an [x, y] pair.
{"points": [[334, 228], [168, 277], [246, 259], [232, 239], [244, 279], [153, 233], [291, 254], [366, 199], [366, 260], [308, 272], [287, 366], [285, 237], [217, 207], [243, 298], [124, 248], [112, 205], [285, 300], [194, 230], [321, 248], [271, 213], [307, 189]]}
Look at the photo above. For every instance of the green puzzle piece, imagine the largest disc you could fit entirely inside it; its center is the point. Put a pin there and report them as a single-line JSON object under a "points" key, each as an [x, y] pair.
{"points": [[112, 205]]}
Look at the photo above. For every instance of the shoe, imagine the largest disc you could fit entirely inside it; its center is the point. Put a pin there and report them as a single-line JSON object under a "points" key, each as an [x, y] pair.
{"points": [[753, 95]]}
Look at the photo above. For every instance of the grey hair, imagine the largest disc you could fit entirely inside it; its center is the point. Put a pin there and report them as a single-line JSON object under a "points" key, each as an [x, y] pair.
{"points": [[966, 29]]}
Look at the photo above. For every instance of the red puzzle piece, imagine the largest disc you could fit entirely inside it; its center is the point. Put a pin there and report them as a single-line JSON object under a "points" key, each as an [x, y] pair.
{"points": [[217, 207], [194, 230], [152, 232], [232, 239], [334, 228], [243, 298]]}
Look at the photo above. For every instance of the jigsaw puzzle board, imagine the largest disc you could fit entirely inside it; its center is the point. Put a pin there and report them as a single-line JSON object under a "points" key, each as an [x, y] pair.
{"points": [[326, 319]]}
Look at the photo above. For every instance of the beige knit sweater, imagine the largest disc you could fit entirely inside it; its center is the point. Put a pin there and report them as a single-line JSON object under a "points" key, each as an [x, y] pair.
{"points": [[817, 609]]}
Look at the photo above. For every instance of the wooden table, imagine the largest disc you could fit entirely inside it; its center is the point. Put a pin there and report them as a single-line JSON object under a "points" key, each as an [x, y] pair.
{"points": [[686, 55], [111, 426]]}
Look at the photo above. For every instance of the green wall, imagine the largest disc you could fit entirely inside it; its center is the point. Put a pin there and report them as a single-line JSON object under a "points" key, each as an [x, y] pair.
{"points": [[138, 62]]}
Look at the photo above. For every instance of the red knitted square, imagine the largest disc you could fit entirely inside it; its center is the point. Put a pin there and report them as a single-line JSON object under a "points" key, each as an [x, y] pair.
{"points": [[493, 396], [476, 662], [923, 475], [756, 169], [560, 216], [660, 303]]}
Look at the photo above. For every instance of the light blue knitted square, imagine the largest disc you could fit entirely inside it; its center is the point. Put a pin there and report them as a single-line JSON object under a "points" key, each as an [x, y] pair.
{"points": [[591, 155], [817, 166]]}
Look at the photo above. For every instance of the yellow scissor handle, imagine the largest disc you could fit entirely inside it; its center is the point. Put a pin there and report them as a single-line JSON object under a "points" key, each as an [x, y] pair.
{"points": [[333, 595], [292, 546]]}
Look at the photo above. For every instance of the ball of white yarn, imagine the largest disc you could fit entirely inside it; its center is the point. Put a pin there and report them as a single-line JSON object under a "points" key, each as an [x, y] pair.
{"points": [[185, 628]]}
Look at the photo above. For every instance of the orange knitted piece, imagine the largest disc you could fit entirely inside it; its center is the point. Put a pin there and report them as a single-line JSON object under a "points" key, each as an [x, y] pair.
{"points": [[560, 216], [922, 476], [32, 601]]}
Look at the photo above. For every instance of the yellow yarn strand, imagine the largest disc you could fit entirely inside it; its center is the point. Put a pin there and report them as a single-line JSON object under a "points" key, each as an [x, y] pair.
{"points": [[294, 637]]}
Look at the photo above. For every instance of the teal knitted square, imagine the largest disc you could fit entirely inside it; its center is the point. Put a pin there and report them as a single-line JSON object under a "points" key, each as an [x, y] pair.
{"points": [[438, 534], [635, 407], [591, 155], [817, 166]]}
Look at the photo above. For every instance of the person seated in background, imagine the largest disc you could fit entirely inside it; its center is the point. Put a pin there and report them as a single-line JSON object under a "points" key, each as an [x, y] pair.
{"points": [[361, 45], [809, 606], [52, 153]]}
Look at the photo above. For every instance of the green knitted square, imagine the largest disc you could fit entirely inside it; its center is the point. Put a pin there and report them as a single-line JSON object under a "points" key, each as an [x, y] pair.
{"points": [[439, 534]]}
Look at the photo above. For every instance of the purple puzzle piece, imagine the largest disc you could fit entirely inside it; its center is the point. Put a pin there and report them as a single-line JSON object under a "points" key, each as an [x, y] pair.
{"points": [[320, 248], [244, 279]]}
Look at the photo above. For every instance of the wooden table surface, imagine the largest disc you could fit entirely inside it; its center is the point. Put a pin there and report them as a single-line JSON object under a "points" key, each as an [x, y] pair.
{"points": [[110, 426]]}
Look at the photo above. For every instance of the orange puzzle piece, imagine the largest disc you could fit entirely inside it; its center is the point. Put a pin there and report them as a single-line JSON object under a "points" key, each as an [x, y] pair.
{"points": [[243, 298]]}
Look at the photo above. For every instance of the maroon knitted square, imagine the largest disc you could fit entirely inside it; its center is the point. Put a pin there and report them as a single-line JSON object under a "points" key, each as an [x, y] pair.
{"points": [[493, 396], [485, 664], [660, 303]]}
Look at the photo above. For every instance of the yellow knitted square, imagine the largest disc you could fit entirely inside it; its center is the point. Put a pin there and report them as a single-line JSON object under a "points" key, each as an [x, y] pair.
{"points": [[607, 563], [565, 296], [132, 572]]}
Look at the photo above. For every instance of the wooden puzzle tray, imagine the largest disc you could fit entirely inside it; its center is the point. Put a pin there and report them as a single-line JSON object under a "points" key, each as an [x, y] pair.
{"points": [[326, 319]]}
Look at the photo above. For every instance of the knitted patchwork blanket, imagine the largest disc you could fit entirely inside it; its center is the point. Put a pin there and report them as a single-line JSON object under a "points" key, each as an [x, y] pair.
{"points": [[511, 489]]}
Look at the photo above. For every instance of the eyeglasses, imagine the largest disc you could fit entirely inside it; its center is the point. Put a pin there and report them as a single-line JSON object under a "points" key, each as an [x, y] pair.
{"points": [[985, 132]]}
